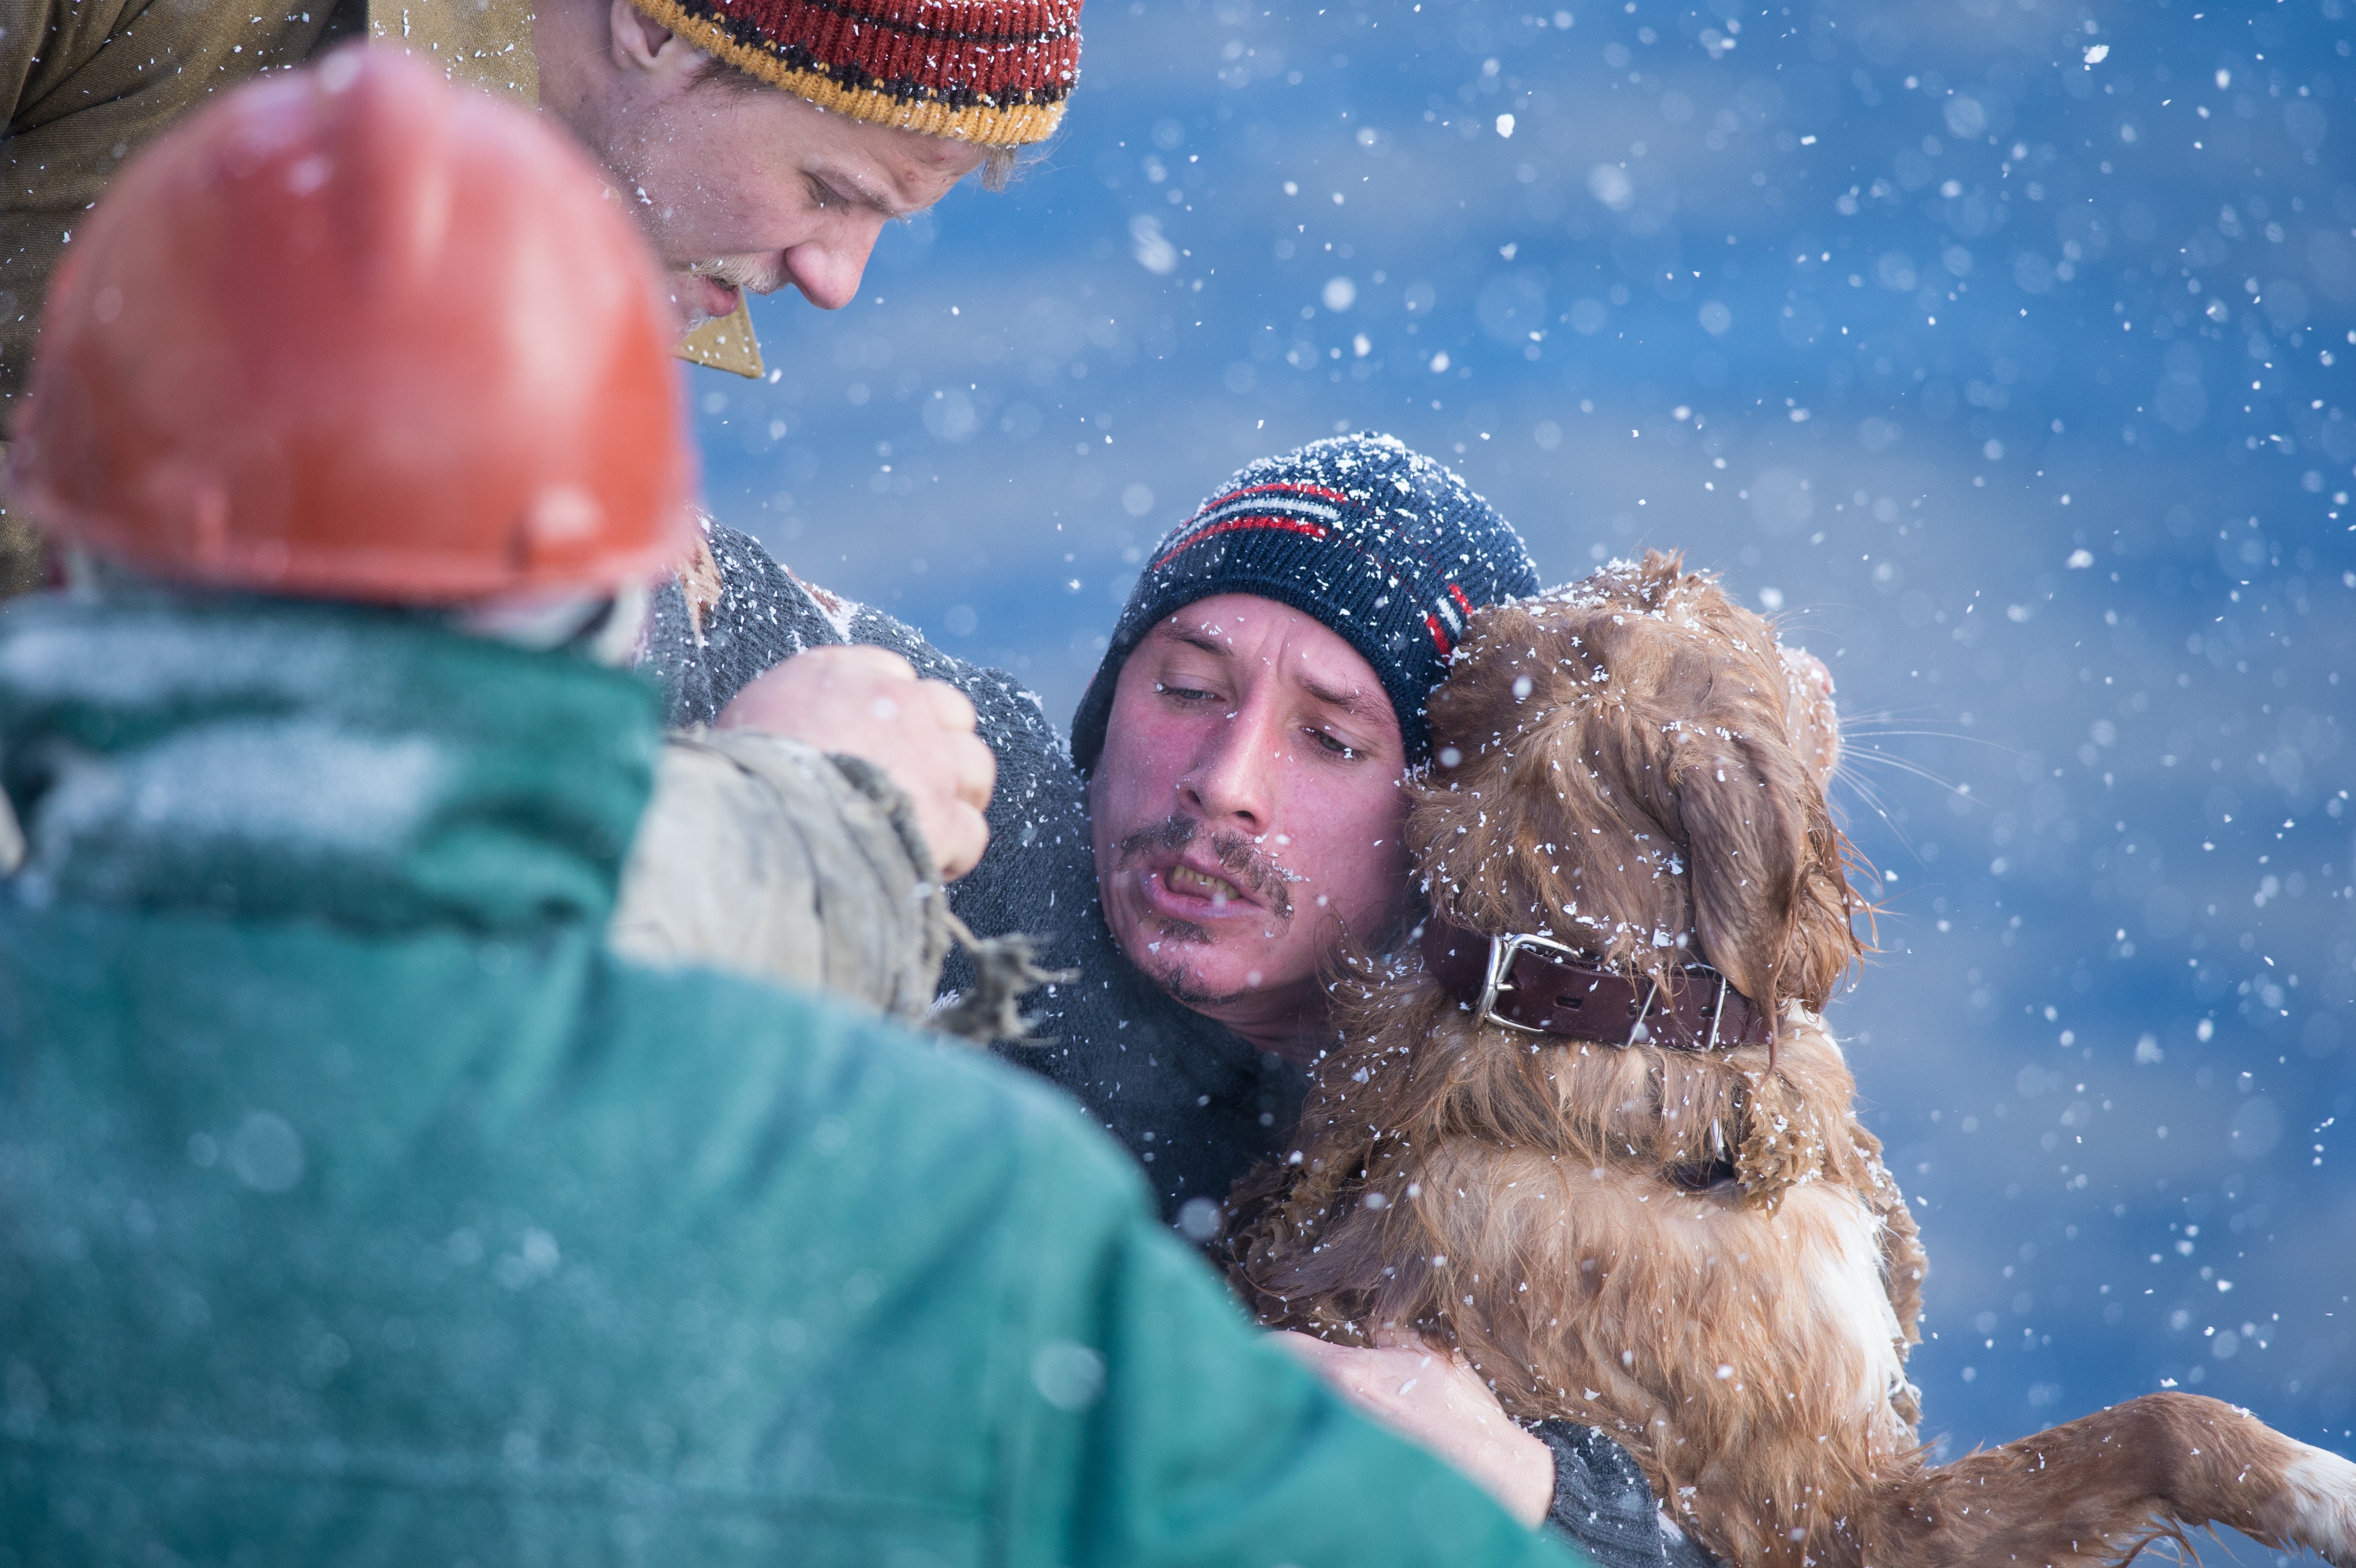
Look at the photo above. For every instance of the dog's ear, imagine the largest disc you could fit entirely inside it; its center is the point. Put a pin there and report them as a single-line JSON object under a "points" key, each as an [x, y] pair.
{"points": [[1548, 806], [1772, 898]]}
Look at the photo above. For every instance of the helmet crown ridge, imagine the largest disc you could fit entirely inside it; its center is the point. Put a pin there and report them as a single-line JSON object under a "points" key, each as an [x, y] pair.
{"points": [[355, 333]]}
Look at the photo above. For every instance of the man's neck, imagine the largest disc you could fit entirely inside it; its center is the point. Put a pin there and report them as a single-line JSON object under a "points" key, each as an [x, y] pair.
{"points": [[1293, 1022]]}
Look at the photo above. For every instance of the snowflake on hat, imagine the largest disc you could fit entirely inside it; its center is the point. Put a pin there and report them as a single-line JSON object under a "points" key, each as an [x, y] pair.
{"points": [[1387, 548]]}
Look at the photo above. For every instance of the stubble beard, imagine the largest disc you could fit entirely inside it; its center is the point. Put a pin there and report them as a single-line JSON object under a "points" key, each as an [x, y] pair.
{"points": [[1244, 863]]}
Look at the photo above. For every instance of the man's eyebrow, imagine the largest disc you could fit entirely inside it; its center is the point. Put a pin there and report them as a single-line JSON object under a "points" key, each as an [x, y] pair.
{"points": [[1203, 640], [1351, 701], [848, 187]]}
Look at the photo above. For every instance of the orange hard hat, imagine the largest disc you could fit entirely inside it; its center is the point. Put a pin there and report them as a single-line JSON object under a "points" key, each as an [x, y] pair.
{"points": [[355, 333]]}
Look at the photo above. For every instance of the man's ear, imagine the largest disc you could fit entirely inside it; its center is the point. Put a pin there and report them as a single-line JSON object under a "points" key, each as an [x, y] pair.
{"points": [[644, 45]]}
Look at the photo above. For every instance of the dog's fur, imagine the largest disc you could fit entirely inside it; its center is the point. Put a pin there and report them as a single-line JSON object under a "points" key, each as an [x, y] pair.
{"points": [[1700, 1252]]}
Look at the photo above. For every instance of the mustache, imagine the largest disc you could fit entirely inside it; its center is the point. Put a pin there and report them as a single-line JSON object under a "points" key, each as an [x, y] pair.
{"points": [[752, 276], [1238, 857]]}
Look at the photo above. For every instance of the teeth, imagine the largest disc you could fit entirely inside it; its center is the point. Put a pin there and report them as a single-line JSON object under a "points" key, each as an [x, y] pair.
{"points": [[1188, 880]]}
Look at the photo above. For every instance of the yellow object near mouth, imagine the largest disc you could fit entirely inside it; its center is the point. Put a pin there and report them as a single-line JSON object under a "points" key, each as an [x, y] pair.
{"points": [[727, 344]]}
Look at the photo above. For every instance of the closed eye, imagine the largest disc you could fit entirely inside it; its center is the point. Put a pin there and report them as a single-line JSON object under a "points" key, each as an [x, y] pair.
{"points": [[1333, 745]]}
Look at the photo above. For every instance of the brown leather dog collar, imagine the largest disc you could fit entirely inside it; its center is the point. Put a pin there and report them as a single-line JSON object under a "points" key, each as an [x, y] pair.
{"points": [[1543, 986]]}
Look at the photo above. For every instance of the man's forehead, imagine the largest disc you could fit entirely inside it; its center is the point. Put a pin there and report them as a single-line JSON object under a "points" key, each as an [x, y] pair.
{"points": [[903, 145], [1311, 652], [1226, 618]]}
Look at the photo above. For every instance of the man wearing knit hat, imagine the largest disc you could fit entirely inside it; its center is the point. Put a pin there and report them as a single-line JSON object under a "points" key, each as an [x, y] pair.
{"points": [[1244, 743], [761, 143], [1231, 787], [1260, 701], [1226, 819], [878, 109]]}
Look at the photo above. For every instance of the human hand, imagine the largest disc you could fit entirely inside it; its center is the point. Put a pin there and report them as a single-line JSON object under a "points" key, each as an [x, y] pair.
{"points": [[867, 702], [1434, 1399]]}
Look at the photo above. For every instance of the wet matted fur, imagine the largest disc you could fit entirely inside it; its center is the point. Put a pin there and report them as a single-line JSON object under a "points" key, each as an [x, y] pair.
{"points": [[1700, 1252]]}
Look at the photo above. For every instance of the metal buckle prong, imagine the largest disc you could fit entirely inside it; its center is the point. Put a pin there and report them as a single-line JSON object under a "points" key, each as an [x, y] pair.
{"points": [[1501, 952], [1637, 1032]]}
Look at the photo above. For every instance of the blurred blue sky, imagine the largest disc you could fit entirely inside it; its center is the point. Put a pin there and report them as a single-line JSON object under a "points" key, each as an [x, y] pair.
{"points": [[2000, 344]]}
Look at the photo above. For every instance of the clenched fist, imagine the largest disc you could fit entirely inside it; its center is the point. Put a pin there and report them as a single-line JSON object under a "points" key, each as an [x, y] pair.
{"points": [[867, 701]]}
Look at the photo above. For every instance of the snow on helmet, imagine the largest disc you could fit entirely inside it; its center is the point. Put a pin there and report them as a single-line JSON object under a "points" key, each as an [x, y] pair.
{"points": [[356, 333]]}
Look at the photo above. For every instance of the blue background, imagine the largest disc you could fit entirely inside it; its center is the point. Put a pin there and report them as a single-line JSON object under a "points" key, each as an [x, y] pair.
{"points": [[2001, 345]]}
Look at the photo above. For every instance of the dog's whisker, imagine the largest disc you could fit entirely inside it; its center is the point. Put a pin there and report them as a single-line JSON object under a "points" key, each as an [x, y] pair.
{"points": [[1850, 732], [1924, 712], [1866, 792], [1899, 765]]}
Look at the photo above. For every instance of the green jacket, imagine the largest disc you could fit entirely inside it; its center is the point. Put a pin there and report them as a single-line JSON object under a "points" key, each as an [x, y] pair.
{"points": [[357, 1206]]}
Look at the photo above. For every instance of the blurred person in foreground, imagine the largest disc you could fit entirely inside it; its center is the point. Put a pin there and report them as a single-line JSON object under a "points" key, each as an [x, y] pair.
{"points": [[356, 1204]]}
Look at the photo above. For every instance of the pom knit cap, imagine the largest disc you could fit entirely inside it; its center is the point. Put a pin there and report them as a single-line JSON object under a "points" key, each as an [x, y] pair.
{"points": [[994, 72], [1381, 544]]}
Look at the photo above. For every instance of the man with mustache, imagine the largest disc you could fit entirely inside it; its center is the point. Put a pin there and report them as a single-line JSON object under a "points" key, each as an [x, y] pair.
{"points": [[1226, 817], [1224, 826]]}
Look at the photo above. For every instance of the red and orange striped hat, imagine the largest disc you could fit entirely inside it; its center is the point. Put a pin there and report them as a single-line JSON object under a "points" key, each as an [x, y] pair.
{"points": [[994, 72]]}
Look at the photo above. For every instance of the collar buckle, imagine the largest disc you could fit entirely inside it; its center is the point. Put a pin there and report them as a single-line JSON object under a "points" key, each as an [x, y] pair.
{"points": [[1503, 951], [1497, 980]]}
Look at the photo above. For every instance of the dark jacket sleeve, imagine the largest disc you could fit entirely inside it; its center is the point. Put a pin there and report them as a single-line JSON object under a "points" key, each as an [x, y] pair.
{"points": [[736, 611], [1604, 1505]]}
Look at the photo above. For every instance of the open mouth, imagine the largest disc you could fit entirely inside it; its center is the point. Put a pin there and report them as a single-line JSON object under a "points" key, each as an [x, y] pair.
{"points": [[1203, 896], [1183, 879], [1221, 875], [708, 297]]}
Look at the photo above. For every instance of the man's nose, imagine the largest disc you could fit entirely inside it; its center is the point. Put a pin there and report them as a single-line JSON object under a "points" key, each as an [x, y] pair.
{"points": [[826, 270], [1234, 774]]}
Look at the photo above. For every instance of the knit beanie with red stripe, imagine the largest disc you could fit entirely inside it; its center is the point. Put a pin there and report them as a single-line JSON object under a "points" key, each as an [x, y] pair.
{"points": [[1382, 544], [994, 72]]}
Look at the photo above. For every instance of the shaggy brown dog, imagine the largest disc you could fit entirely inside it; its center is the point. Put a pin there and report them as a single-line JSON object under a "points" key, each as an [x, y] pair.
{"points": [[1688, 1240]]}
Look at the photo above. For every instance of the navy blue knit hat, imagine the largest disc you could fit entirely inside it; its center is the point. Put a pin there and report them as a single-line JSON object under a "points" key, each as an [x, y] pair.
{"points": [[1383, 545]]}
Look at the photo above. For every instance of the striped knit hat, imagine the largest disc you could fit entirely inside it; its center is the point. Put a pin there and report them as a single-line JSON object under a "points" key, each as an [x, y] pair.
{"points": [[994, 72], [1382, 544]]}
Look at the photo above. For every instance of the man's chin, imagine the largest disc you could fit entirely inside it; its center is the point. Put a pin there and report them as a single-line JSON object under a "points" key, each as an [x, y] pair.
{"points": [[1183, 961], [1188, 992]]}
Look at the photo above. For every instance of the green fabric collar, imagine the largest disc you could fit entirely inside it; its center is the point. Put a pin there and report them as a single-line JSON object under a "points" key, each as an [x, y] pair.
{"points": [[272, 759]]}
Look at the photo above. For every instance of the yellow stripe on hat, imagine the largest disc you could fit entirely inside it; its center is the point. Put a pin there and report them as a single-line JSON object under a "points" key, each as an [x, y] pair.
{"points": [[986, 125]]}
